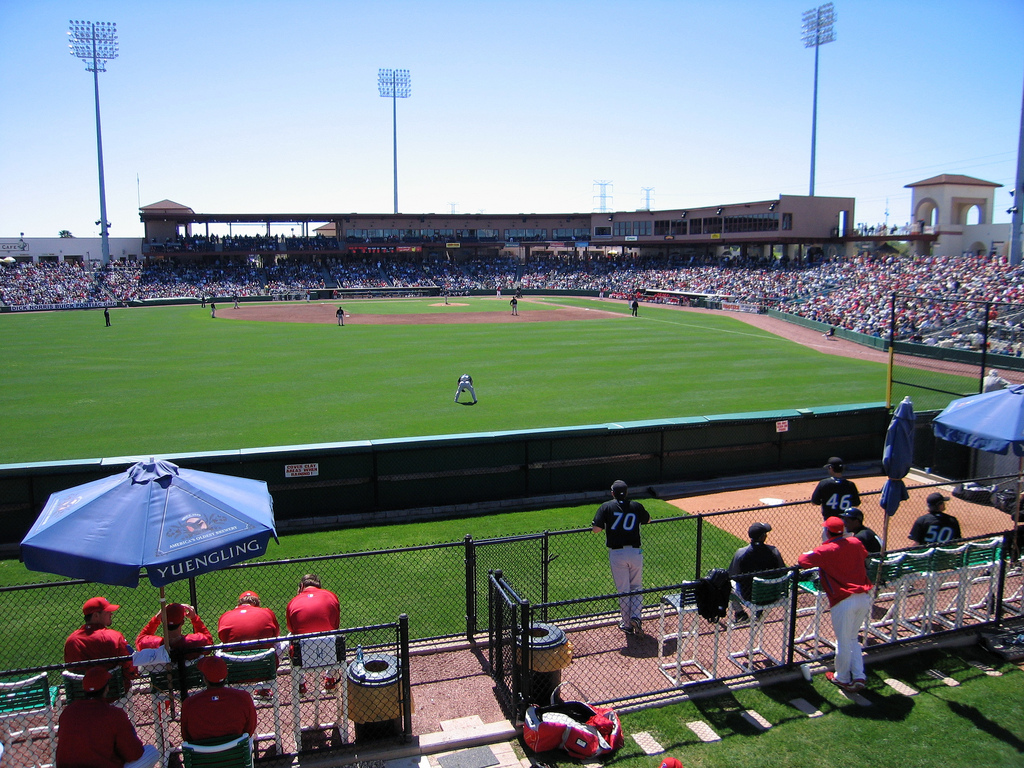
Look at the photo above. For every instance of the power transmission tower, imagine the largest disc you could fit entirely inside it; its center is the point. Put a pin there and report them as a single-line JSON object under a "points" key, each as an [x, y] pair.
{"points": [[602, 198]]}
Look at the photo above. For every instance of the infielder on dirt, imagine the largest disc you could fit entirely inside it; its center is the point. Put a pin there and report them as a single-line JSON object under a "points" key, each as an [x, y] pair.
{"points": [[465, 385], [620, 519]]}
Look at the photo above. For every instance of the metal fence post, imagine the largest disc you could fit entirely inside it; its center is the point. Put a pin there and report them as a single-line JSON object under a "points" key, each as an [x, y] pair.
{"points": [[403, 650], [526, 660], [700, 545], [545, 561], [471, 601], [794, 573]]}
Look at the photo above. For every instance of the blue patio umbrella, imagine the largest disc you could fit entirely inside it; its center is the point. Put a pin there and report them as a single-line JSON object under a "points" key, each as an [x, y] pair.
{"points": [[897, 457], [992, 422], [169, 522]]}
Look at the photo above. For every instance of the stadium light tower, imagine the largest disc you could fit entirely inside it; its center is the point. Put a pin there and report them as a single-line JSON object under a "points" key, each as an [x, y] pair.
{"points": [[95, 43], [818, 29], [394, 84]]}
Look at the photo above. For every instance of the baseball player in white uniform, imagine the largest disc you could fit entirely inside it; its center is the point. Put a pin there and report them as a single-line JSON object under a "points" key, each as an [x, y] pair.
{"points": [[465, 385]]}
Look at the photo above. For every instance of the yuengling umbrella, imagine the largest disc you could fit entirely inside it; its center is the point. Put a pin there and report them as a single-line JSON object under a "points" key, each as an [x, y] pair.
{"points": [[897, 457], [992, 422], [171, 523]]}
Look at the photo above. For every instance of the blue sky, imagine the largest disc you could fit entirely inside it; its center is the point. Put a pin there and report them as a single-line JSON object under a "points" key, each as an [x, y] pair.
{"points": [[516, 107]]}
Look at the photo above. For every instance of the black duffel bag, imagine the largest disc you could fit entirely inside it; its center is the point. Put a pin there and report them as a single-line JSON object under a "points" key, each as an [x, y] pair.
{"points": [[974, 493]]}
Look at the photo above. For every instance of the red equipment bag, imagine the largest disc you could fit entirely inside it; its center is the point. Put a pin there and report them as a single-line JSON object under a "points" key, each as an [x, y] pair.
{"points": [[580, 729]]}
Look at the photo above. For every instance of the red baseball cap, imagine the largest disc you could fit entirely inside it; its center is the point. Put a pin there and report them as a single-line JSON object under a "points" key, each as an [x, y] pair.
{"points": [[248, 593], [835, 525], [98, 605], [214, 669], [175, 613], [95, 679], [671, 762]]}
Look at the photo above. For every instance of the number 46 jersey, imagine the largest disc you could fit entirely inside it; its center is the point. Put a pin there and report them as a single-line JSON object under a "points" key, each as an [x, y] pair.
{"points": [[835, 495]]}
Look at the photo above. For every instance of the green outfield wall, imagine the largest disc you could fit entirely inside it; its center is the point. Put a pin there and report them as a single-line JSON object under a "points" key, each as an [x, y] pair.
{"points": [[372, 481]]}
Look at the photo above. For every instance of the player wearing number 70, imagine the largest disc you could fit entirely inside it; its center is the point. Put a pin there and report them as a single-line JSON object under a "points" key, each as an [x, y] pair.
{"points": [[835, 494], [620, 519]]}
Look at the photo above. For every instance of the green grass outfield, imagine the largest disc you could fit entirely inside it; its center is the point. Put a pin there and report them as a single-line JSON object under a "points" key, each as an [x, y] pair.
{"points": [[169, 380]]}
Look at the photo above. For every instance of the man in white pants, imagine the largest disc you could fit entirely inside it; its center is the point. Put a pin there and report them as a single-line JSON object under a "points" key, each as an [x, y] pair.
{"points": [[465, 385], [840, 563], [620, 519]]}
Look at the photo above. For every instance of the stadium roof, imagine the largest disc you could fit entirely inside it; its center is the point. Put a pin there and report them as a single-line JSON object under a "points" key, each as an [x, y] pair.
{"points": [[952, 178]]}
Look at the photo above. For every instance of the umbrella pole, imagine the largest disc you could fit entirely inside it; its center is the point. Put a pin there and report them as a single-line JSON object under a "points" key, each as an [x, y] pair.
{"points": [[885, 535], [1016, 509], [167, 645]]}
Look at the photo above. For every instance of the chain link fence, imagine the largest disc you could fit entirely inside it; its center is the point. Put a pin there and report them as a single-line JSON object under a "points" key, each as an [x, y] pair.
{"points": [[559, 578]]}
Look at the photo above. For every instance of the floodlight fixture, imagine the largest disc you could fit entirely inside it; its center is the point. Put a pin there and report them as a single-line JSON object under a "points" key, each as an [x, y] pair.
{"points": [[95, 43], [818, 29], [394, 84]]}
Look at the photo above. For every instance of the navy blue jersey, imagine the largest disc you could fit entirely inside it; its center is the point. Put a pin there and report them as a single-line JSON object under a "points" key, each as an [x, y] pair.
{"points": [[835, 495], [621, 521]]}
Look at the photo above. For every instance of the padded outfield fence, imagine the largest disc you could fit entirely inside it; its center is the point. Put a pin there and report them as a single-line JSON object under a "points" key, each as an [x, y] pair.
{"points": [[558, 578]]}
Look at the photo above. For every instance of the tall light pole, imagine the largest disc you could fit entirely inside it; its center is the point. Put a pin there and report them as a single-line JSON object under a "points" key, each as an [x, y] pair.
{"points": [[95, 43], [818, 30], [394, 84]]}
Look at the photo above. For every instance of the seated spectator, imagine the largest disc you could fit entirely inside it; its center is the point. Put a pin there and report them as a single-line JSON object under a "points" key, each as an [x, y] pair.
{"points": [[96, 640], [218, 712], [247, 621], [853, 518], [176, 615], [314, 609], [754, 558], [93, 732]]}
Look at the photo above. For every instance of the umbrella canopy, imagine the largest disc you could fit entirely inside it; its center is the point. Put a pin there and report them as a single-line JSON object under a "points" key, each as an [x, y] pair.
{"points": [[174, 523], [993, 421], [897, 456]]}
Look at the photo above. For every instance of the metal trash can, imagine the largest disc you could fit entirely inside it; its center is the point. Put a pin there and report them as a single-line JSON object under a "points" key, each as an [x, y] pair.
{"points": [[550, 653], [374, 696]]}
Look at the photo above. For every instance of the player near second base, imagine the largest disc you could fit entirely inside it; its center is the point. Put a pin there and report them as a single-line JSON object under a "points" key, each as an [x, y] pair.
{"points": [[465, 385]]}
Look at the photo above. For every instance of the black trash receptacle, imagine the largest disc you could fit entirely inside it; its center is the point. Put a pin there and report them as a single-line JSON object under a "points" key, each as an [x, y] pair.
{"points": [[550, 653], [374, 696]]}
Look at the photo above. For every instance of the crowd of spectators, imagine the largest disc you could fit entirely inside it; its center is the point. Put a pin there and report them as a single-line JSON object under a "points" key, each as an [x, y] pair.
{"points": [[47, 283], [852, 293]]}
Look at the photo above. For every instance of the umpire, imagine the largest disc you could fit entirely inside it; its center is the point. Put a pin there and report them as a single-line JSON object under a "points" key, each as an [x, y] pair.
{"points": [[620, 519]]}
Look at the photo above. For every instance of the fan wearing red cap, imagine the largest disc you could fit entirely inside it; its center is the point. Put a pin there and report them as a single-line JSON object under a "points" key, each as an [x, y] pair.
{"points": [[95, 639], [840, 563], [219, 711], [176, 615], [247, 621], [671, 762], [92, 731]]}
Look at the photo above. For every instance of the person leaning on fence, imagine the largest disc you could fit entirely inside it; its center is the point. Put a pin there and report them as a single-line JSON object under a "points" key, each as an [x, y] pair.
{"points": [[93, 732], [853, 518], [756, 557], [219, 711], [314, 609], [993, 382], [176, 615], [840, 563], [96, 640], [620, 519], [935, 526]]}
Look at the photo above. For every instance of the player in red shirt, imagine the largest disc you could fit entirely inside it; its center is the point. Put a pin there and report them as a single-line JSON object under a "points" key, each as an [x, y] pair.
{"points": [[219, 711], [93, 733], [176, 615], [247, 621], [840, 563], [96, 640], [314, 609]]}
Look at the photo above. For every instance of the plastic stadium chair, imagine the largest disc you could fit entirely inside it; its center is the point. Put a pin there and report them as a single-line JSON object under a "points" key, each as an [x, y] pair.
{"points": [[21, 701], [234, 753], [766, 594], [257, 671]]}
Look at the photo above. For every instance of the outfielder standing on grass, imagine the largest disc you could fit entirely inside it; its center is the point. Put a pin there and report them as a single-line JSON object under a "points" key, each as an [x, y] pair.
{"points": [[465, 385], [620, 519], [840, 563]]}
